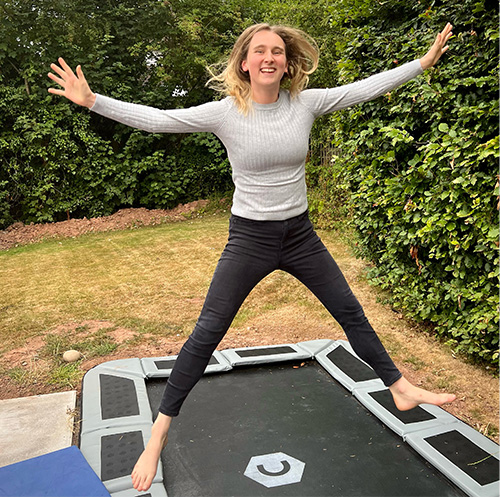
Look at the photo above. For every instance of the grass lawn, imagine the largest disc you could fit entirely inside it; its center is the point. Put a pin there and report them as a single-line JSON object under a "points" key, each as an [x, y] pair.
{"points": [[138, 292]]}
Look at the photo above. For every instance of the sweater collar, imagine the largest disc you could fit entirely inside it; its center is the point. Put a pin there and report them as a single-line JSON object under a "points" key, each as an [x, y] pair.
{"points": [[272, 106]]}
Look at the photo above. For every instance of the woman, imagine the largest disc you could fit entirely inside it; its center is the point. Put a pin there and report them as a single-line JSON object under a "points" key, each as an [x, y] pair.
{"points": [[265, 130]]}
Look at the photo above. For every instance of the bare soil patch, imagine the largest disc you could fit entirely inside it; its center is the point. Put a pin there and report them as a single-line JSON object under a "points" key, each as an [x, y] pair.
{"points": [[21, 234]]}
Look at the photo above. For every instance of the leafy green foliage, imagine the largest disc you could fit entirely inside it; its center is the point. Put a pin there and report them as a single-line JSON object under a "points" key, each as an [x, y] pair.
{"points": [[420, 164], [58, 160], [415, 170]]}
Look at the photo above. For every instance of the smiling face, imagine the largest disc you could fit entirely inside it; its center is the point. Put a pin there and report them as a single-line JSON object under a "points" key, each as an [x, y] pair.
{"points": [[265, 62]]}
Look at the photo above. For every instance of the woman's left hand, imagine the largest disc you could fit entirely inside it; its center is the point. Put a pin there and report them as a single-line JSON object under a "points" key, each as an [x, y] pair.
{"points": [[438, 48]]}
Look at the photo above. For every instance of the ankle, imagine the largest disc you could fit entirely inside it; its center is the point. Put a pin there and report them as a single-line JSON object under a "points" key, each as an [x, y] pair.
{"points": [[160, 428], [400, 386]]}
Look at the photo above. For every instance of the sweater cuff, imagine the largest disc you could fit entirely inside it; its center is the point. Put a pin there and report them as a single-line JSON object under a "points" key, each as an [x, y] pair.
{"points": [[419, 65], [93, 108]]}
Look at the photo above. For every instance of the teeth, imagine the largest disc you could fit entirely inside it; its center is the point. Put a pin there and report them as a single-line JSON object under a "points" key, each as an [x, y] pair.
{"points": [[268, 70]]}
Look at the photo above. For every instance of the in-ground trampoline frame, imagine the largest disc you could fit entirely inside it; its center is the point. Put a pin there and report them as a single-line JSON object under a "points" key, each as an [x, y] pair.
{"points": [[116, 414]]}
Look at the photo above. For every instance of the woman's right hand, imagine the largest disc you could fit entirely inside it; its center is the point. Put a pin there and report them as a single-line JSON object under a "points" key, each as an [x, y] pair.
{"points": [[75, 87]]}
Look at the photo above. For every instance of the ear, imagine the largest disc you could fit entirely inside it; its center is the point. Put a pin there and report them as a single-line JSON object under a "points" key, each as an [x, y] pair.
{"points": [[244, 66]]}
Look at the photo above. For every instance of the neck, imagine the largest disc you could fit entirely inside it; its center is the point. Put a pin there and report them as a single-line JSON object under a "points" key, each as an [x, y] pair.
{"points": [[265, 96]]}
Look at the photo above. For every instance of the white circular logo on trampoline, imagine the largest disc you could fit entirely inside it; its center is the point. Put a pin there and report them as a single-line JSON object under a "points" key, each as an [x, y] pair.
{"points": [[275, 470]]}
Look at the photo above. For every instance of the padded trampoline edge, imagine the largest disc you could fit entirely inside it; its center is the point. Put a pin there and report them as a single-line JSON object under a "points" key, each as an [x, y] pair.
{"points": [[161, 367], [413, 426], [128, 377], [420, 418], [156, 490], [249, 356], [340, 371], [113, 452], [116, 411], [96, 402], [314, 347], [420, 442]]}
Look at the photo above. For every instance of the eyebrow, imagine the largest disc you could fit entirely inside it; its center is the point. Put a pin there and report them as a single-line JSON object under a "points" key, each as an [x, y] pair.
{"points": [[264, 46]]}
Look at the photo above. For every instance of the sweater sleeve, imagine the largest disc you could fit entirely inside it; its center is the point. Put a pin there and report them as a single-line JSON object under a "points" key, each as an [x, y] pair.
{"points": [[324, 101], [203, 118]]}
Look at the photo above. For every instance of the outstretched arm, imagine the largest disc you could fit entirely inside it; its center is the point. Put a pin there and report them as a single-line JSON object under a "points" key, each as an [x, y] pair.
{"points": [[322, 102], [438, 48], [75, 87], [202, 118]]}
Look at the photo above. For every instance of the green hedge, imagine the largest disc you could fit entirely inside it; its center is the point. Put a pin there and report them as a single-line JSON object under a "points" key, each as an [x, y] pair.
{"points": [[59, 160], [55, 164], [417, 168]]}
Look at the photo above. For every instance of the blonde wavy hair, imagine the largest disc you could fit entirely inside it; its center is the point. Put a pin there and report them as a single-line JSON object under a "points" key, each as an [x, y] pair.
{"points": [[302, 55]]}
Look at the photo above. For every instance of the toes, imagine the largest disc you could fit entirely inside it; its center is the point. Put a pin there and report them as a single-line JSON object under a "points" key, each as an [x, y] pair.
{"points": [[449, 398], [149, 481], [141, 483], [137, 481]]}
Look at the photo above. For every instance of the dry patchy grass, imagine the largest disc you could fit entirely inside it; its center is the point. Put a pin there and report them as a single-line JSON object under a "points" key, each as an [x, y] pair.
{"points": [[138, 293], [157, 276]]}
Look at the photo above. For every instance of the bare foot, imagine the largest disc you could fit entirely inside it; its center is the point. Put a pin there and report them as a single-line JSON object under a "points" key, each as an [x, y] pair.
{"points": [[407, 396], [147, 464]]}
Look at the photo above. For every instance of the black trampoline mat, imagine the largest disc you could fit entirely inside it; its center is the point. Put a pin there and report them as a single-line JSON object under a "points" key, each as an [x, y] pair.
{"points": [[299, 412]]}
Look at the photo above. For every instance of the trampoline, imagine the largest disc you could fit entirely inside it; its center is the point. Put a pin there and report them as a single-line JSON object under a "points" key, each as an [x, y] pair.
{"points": [[305, 419]]}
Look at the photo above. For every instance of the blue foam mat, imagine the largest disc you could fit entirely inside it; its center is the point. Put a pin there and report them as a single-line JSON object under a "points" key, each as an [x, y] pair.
{"points": [[64, 473]]}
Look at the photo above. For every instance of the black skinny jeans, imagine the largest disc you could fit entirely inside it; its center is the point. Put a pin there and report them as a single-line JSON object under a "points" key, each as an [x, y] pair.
{"points": [[254, 250]]}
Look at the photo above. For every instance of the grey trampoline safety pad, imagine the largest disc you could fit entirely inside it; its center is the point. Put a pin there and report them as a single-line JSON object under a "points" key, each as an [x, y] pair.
{"points": [[161, 367], [117, 416], [156, 490], [261, 355], [378, 400], [340, 360], [114, 397], [112, 454], [467, 457]]}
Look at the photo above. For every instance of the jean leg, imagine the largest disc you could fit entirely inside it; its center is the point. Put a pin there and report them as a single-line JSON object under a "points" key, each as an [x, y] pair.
{"points": [[237, 273], [311, 263]]}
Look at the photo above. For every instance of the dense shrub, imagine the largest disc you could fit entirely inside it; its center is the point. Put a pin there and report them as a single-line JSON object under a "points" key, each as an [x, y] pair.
{"points": [[59, 160], [420, 165]]}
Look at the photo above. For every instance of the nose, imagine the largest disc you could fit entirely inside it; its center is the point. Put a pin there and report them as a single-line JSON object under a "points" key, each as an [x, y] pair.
{"points": [[269, 56]]}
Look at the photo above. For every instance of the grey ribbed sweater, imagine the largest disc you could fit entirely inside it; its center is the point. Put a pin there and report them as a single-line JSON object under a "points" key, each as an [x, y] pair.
{"points": [[267, 149]]}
